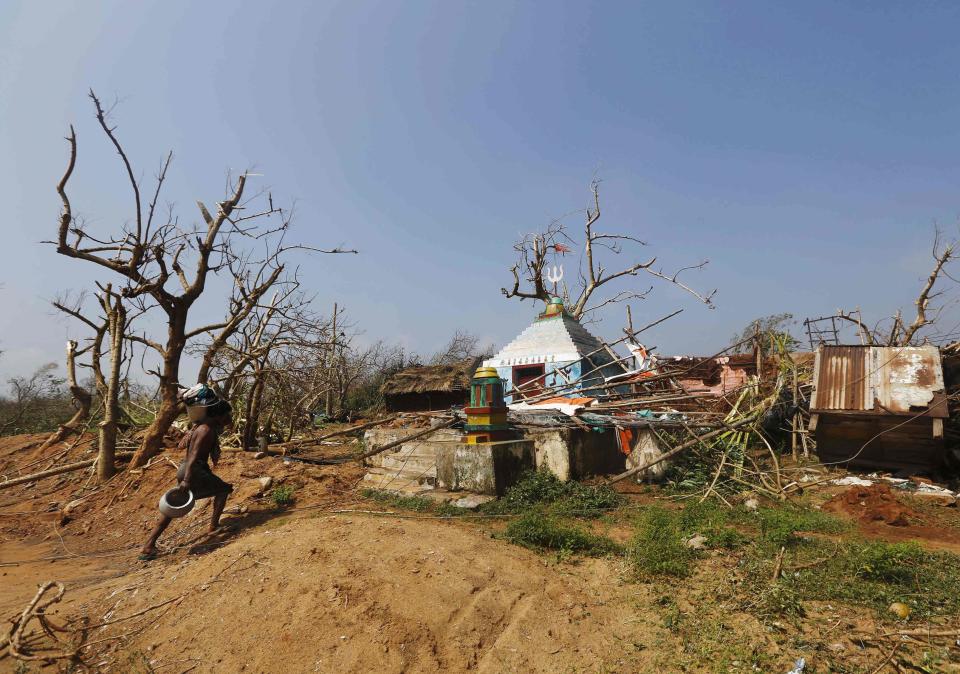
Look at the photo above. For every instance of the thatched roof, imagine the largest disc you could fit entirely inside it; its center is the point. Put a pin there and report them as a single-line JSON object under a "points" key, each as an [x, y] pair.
{"points": [[431, 378]]}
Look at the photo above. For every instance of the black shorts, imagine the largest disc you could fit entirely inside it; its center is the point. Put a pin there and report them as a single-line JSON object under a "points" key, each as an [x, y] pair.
{"points": [[203, 483]]}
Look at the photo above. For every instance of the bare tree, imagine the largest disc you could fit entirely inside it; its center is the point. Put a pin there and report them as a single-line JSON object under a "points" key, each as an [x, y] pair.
{"points": [[151, 255], [116, 314], [31, 397], [274, 360], [462, 345], [535, 250], [900, 333], [113, 325], [82, 398]]}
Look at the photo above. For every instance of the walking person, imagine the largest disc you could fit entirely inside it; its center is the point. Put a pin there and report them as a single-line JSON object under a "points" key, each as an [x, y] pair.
{"points": [[202, 445]]}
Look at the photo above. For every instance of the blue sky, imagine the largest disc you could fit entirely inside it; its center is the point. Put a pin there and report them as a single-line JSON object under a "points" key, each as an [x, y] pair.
{"points": [[806, 149]]}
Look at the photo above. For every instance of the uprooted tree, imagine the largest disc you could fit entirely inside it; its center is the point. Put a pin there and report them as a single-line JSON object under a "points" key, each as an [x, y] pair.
{"points": [[166, 265], [535, 250]]}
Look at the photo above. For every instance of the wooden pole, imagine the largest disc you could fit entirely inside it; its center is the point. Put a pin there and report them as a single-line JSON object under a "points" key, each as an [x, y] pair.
{"points": [[794, 423], [331, 362], [59, 470], [679, 448], [397, 443]]}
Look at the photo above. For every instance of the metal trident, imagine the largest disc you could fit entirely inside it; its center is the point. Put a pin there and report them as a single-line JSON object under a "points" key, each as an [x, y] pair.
{"points": [[554, 275]]}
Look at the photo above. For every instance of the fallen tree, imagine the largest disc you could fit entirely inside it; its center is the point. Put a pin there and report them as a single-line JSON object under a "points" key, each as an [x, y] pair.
{"points": [[59, 470]]}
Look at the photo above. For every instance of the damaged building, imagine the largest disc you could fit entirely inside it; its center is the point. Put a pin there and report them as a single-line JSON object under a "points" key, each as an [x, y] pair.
{"points": [[554, 352], [879, 407], [429, 388]]}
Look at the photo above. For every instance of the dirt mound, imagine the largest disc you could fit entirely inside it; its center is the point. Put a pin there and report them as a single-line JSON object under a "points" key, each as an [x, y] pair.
{"points": [[875, 503], [360, 594], [117, 515]]}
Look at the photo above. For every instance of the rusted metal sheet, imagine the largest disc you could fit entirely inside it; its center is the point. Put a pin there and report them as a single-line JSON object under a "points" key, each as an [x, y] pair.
{"points": [[906, 378], [842, 381], [879, 379]]}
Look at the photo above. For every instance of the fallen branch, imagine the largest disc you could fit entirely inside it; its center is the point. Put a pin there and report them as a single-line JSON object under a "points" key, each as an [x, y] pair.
{"points": [[345, 431], [133, 615], [923, 633], [679, 448], [887, 659], [35, 610], [59, 471], [397, 443], [778, 563]]}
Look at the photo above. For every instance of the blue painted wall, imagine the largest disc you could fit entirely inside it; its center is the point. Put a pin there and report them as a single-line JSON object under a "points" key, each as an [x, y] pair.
{"points": [[572, 370]]}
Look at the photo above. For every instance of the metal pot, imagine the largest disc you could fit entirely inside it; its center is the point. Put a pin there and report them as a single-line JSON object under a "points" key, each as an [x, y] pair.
{"points": [[177, 502]]}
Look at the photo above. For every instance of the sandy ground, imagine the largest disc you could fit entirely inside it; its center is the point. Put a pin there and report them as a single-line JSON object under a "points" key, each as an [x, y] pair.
{"points": [[324, 586], [328, 591]]}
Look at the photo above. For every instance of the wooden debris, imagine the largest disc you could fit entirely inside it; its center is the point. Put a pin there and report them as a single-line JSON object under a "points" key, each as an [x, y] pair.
{"points": [[397, 443], [59, 470]]}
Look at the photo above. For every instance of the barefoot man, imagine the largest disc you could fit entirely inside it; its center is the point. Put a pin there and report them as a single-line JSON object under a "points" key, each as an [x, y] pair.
{"points": [[201, 443]]}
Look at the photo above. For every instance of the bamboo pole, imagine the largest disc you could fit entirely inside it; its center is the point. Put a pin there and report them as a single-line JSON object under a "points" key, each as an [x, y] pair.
{"points": [[679, 448], [397, 443], [59, 470]]}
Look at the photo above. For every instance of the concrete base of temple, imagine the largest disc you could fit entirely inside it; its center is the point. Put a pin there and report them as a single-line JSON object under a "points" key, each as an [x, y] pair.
{"points": [[574, 454], [488, 468], [410, 468], [447, 462]]}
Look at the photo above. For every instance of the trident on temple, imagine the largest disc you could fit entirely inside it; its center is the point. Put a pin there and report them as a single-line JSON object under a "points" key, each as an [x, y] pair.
{"points": [[554, 275]]}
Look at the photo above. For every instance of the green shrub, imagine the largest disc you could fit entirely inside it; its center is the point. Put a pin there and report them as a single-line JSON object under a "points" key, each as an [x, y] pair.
{"points": [[780, 600], [416, 503], [890, 562], [726, 537], [538, 531], [875, 574], [779, 526], [282, 495], [543, 488], [658, 548]]}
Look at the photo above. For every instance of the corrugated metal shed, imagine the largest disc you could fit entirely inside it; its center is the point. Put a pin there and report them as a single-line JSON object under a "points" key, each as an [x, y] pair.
{"points": [[902, 380]]}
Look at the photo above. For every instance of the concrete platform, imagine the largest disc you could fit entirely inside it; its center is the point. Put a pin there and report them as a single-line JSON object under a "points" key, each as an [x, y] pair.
{"points": [[488, 468], [444, 462], [575, 454]]}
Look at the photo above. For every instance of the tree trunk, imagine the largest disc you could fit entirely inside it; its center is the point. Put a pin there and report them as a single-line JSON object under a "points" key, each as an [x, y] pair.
{"points": [[253, 412], [331, 364], [80, 395], [169, 402], [117, 316]]}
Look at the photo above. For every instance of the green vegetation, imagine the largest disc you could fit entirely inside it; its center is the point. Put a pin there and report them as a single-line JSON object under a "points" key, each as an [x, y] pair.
{"points": [[543, 490], [539, 531], [417, 504], [282, 495], [659, 548], [779, 526], [876, 574], [547, 515]]}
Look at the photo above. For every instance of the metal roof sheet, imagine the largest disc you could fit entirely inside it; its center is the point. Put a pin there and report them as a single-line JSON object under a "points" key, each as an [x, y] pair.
{"points": [[882, 379]]}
